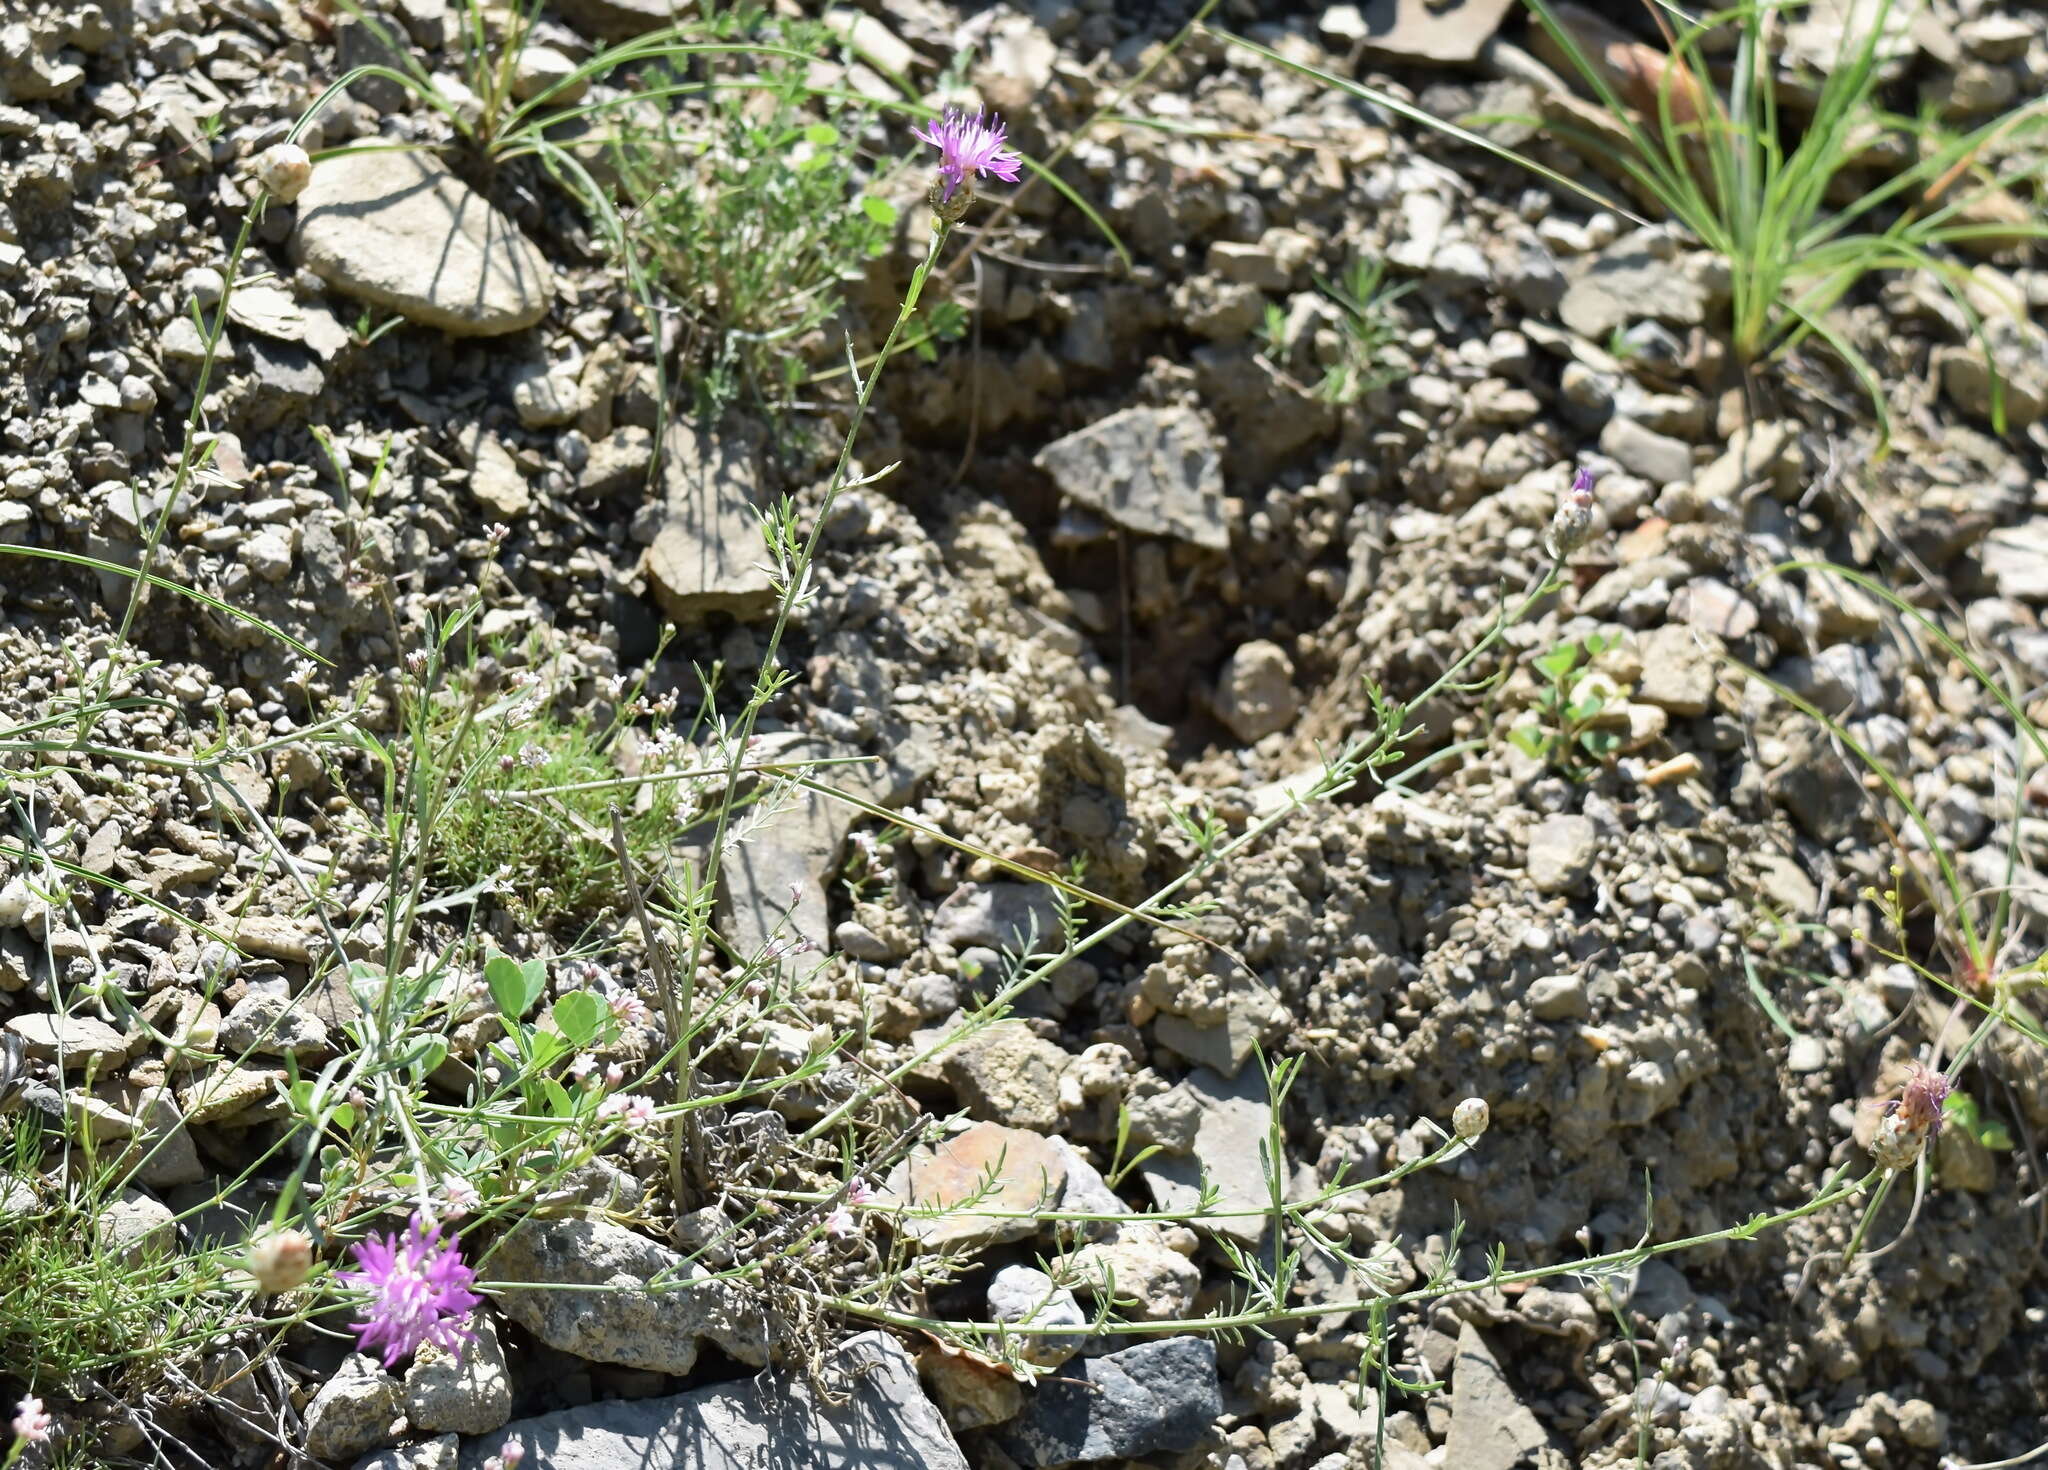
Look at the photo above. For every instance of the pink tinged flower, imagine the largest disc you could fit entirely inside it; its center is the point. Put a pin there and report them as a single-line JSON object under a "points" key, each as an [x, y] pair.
{"points": [[281, 1260], [1921, 1102], [629, 1009], [1911, 1121], [419, 1291], [508, 1458], [1573, 523], [31, 1424], [968, 147], [860, 1192], [614, 1074], [458, 1197], [636, 1110], [840, 1223], [583, 1066]]}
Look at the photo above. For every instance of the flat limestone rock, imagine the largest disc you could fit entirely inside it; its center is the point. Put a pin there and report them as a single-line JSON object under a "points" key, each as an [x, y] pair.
{"points": [[398, 230], [583, 1300], [1229, 1140], [1419, 30], [1003, 1169], [1491, 1428], [619, 20], [1157, 471], [708, 556], [881, 1420]]}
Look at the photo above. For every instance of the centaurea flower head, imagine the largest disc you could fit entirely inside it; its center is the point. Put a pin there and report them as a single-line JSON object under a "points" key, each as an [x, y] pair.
{"points": [[1573, 522], [1912, 1120], [968, 147], [419, 1291]]}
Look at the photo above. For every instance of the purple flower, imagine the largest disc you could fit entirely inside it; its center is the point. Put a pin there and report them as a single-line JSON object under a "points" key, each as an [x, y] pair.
{"points": [[419, 1292], [969, 146]]}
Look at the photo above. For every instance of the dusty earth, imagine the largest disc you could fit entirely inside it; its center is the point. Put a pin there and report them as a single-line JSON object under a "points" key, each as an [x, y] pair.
{"points": [[1129, 563]]}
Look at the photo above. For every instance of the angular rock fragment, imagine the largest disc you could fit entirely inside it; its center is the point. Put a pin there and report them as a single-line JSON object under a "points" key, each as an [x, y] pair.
{"points": [[1157, 471], [1155, 1396], [398, 230], [583, 1300], [871, 1416], [708, 556]]}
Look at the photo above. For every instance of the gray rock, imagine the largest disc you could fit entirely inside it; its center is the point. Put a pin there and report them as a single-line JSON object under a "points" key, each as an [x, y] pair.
{"points": [[268, 554], [871, 1416], [543, 398], [1004, 915], [1157, 471], [583, 1300], [1229, 1147], [1023, 1295], [1678, 671], [539, 69], [795, 851], [360, 1408], [440, 1453], [1760, 454], [466, 1393], [1414, 30], [1008, 1074], [1491, 1428], [620, 20], [1656, 457], [271, 1023], [1559, 998], [1255, 693], [1150, 1280], [1561, 853], [708, 555], [2018, 368], [1806, 1054], [1149, 1398], [136, 1226], [2016, 559], [398, 230], [1629, 285], [1711, 605], [78, 1042], [495, 479], [1817, 787]]}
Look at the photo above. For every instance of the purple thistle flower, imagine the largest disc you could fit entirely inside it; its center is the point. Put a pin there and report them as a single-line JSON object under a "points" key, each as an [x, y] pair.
{"points": [[968, 146], [419, 1292]]}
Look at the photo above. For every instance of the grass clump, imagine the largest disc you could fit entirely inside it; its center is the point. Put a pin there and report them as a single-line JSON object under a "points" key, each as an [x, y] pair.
{"points": [[527, 795], [749, 206], [75, 1306], [1759, 186]]}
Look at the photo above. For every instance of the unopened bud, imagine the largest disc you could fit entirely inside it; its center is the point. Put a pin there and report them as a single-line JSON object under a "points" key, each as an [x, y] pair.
{"points": [[281, 1260], [1470, 1117], [284, 170], [1573, 522]]}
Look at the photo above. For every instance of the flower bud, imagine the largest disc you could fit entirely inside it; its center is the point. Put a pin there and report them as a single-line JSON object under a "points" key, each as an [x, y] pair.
{"points": [[281, 1260], [284, 170], [1573, 522], [1911, 1121], [1470, 1117]]}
